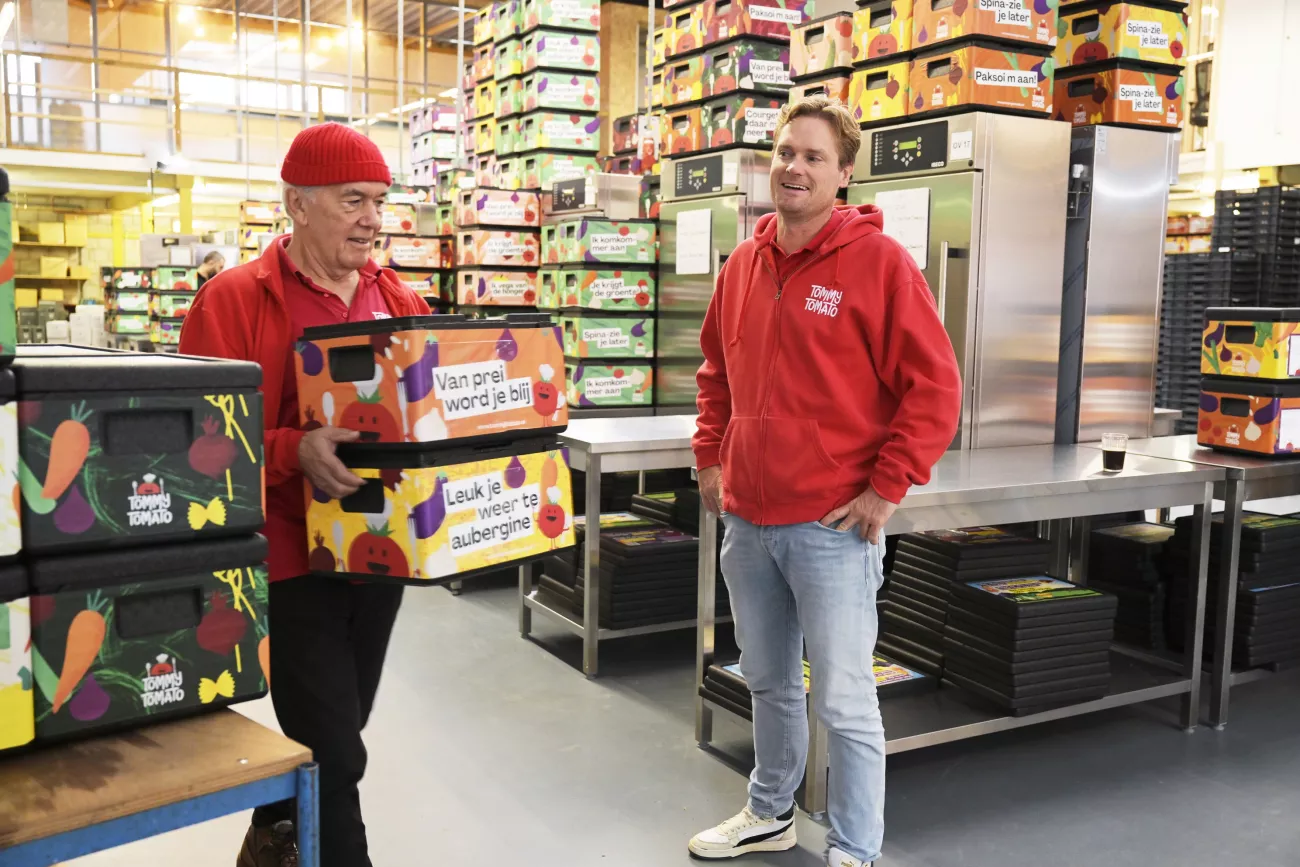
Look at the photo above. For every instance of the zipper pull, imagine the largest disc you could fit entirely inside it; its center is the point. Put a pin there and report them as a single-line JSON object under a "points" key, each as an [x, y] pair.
{"points": [[779, 290]]}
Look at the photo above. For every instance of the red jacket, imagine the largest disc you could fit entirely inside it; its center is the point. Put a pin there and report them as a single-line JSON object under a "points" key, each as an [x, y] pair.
{"points": [[240, 313], [841, 378]]}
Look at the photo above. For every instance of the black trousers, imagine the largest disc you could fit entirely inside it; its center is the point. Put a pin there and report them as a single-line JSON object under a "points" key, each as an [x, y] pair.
{"points": [[328, 641]]}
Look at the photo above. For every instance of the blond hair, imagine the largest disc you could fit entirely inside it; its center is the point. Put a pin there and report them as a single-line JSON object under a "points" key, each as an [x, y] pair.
{"points": [[848, 137]]}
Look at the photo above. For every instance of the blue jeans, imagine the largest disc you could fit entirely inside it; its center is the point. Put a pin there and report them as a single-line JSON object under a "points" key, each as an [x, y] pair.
{"points": [[800, 583]]}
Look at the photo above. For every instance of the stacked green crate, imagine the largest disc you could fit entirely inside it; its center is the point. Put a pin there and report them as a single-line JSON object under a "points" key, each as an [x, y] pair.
{"points": [[599, 276]]}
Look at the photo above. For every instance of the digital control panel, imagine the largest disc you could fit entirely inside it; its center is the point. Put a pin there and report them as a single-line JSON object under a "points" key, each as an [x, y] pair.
{"points": [[911, 149], [569, 195], [697, 176]]}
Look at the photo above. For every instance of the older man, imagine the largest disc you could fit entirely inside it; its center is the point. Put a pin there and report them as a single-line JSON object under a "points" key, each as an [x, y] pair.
{"points": [[330, 635], [829, 387]]}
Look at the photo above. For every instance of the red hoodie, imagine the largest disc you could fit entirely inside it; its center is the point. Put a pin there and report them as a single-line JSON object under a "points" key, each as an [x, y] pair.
{"points": [[840, 378], [240, 313]]}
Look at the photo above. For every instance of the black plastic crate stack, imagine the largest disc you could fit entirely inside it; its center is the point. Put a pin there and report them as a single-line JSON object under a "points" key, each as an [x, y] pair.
{"points": [[1029, 644], [725, 685], [1267, 623], [1126, 562], [132, 585], [926, 569], [1192, 282], [1265, 222]]}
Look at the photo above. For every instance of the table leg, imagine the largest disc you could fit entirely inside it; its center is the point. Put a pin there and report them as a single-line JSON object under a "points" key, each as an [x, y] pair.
{"points": [[591, 571], [817, 775], [1059, 535], [308, 821], [525, 589], [1194, 644], [1225, 616], [1080, 536], [706, 620]]}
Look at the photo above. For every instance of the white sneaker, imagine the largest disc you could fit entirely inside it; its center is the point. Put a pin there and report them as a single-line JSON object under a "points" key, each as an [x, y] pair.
{"points": [[745, 832], [840, 858]]}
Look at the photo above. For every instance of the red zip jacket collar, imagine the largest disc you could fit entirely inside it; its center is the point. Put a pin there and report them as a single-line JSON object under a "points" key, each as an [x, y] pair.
{"points": [[838, 377]]}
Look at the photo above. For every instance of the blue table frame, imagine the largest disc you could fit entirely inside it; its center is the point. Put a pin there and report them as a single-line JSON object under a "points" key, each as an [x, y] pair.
{"points": [[301, 784]]}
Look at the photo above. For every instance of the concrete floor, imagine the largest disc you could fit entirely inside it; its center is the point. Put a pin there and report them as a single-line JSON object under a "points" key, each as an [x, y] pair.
{"points": [[486, 749]]}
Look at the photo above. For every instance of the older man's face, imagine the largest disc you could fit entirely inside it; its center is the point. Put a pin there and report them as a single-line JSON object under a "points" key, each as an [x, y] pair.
{"points": [[341, 221]]}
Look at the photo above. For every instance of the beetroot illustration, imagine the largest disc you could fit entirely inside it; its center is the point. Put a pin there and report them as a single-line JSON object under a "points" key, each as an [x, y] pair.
{"points": [[222, 627], [213, 453]]}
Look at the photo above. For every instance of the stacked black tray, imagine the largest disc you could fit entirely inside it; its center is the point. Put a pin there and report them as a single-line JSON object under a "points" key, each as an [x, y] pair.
{"points": [[725, 685], [1029, 644], [647, 576], [618, 489], [1267, 622], [1125, 561], [927, 566], [1265, 222], [1192, 282]]}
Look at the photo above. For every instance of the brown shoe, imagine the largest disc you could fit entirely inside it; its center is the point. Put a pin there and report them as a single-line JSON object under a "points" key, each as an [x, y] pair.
{"points": [[276, 846]]}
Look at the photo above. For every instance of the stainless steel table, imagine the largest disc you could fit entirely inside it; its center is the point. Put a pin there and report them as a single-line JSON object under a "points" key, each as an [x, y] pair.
{"points": [[609, 445], [998, 486], [1248, 478]]}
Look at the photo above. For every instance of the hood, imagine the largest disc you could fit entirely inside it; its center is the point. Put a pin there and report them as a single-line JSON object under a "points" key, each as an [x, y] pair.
{"points": [[859, 221]]}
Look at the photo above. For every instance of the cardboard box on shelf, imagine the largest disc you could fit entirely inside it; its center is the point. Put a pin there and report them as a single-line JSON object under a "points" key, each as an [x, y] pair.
{"points": [[54, 266], [397, 220], [545, 48], [657, 90], [498, 247], [508, 175], [50, 233], [485, 100], [552, 90], [608, 385], [659, 45], [771, 19], [1148, 30], [975, 72], [682, 131], [538, 170], [834, 85], [262, 213], [588, 335], [400, 251], [494, 207], [685, 30], [747, 64], [684, 80], [508, 97], [508, 58], [485, 170], [81, 272], [542, 130], [821, 44], [483, 63], [76, 230], [597, 240], [621, 289], [566, 14], [485, 287], [880, 92], [938, 21], [882, 28], [24, 297], [485, 135], [507, 136], [505, 19], [482, 29], [739, 118], [1116, 92]]}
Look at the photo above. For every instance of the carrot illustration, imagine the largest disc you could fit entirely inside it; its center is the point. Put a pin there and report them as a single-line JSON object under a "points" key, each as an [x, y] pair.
{"points": [[68, 449], [85, 637], [264, 658]]}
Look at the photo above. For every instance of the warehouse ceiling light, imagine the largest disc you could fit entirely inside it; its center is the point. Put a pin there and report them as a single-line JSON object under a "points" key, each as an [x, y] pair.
{"points": [[6, 18]]}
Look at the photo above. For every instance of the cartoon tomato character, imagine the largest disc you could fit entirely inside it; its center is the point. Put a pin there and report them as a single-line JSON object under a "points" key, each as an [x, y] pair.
{"points": [[882, 45], [1089, 52], [161, 667], [371, 419], [375, 553], [550, 520], [546, 397]]}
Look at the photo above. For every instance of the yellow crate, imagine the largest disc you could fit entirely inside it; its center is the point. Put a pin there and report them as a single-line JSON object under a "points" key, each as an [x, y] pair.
{"points": [[50, 233], [76, 230], [54, 266], [55, 295], [26, 297], [81, 272]]}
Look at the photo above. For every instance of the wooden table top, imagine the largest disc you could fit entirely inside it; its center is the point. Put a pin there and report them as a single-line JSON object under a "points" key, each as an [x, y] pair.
{"points": [[73, 785]]}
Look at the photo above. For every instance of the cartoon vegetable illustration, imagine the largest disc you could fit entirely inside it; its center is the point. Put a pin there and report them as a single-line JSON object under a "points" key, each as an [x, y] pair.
{"points": [[68, 449], [213, 453], [85, 637], [369, 417], [375, 553], [312, 422], [550, 518], [264, 658], [417, 380], [321, 558], [550, 473], [313, 360], [222, 627], [91, 701], [429, 514], [74, 515], [507, 347], [430, 427], [545, 395], [31, 489], [515, 473]]}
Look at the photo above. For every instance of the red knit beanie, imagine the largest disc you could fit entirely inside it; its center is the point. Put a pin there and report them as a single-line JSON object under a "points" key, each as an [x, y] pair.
{"points": [[331, 153]]}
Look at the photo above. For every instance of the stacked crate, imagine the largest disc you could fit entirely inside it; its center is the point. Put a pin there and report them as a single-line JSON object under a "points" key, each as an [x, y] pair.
{"points": [[634, 140], [727, 73], [821, 58], [1263, 223], [545, 99], [1192, 283], [126, 297], [172, 294], [600, 273], [433, 142], [1121, 63], [257, 222], [419, 259], [1188, 234], [498, 249], [132, 585], [880, 83]]}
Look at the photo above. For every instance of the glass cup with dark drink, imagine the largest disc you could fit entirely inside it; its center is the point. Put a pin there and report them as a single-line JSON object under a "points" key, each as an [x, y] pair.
{"points": [[1113, 448]]}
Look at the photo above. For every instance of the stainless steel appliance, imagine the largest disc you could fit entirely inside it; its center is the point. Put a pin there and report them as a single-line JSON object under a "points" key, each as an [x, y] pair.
{"points": [[979, 201], [615, 197], [1114, 262], [711, 202]]}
